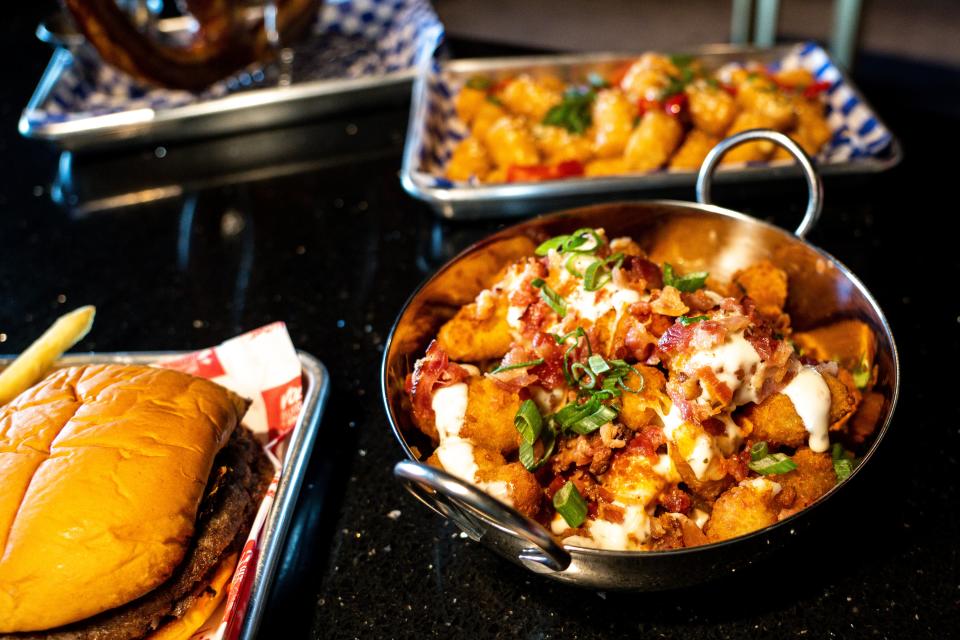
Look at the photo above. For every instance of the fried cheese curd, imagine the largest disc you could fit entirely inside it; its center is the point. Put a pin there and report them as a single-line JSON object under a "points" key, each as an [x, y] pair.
{"points": [[630, 405], [651, 113]]}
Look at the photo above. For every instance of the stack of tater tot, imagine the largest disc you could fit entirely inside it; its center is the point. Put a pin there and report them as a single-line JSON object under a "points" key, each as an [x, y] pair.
{"points": [[655, 112]]}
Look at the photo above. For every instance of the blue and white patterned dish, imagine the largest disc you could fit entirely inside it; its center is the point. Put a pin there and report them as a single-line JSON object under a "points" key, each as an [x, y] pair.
{"points": [[860, 142], [354, 45]]}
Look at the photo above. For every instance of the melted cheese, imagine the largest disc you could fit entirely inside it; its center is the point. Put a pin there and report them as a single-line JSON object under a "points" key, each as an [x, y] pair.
{"points": [[666, 469], [810, 396], [735, 363]]}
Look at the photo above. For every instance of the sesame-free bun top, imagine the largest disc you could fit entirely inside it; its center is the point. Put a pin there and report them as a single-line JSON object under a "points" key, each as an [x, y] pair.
{"points": [[102, 469]]}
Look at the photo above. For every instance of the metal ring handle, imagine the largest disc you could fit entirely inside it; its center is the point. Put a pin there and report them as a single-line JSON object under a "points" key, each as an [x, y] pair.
{"points": [[814, 184], [547, 551]]}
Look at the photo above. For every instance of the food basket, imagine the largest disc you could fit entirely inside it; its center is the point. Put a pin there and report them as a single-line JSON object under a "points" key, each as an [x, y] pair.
{"points": [[298, 446], [699, 235], [861, 142]]}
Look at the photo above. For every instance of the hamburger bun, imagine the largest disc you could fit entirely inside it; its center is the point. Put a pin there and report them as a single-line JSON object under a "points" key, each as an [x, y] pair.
{"points": [[106, 478]]}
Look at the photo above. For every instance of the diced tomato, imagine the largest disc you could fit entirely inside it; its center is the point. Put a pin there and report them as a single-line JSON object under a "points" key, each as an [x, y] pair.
{"points": [[816, 89], [675, 104], [644, 105], [537, 172]]}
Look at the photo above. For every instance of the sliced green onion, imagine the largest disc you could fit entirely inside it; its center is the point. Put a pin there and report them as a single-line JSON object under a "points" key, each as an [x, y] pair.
{"points": [[773, 463], [494, 100], [837, 451], [842, 468], [596, 276], [759, 450], [597, 364], [616, 259], [584, 373], [518, 365], [592, 422], [570, 504], [688, 283], [551, 297], [571, 263], [685, 321], [528, 457], [528, 421], [553, 243], [581, 237], [862, 375]]}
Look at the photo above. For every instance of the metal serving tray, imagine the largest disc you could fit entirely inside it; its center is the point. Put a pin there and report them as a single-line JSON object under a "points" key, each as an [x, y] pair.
{"points": [[316, 389], [163, 116], [466, 201]]}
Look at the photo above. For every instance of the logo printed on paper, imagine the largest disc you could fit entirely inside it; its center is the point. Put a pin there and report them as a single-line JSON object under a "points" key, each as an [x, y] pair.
{"points": [[239, 592], [204, 364], [283, 405]]}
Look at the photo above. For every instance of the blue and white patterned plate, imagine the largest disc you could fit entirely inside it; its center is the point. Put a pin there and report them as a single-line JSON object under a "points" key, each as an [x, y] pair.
{"points": [[354, 45], [860, 140]]}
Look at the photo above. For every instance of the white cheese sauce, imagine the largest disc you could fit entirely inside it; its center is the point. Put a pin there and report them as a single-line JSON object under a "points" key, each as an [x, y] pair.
{"points": [[632, 533], [456, 456], [449, 408], [810, 395], [735, 362], [702, 455]]}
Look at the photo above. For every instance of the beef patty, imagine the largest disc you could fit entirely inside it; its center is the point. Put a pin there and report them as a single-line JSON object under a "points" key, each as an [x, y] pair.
{"points": [[240, 477]]}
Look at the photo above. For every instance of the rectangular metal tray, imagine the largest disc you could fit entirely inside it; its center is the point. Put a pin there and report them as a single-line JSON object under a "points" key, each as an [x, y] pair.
{"points": [[150, 118], [457, 201], [316, 389]]}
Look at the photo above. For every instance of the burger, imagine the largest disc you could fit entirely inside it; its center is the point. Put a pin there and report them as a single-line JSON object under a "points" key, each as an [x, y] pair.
{"points": [[126, 493]]}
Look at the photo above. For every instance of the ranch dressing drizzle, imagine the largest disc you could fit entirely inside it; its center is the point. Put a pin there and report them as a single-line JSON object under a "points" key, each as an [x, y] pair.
{"points": [[810, 396]]}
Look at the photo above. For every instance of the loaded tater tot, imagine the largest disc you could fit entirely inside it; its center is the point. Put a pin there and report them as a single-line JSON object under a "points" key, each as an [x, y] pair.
{"points": [[631, 405], [655, 112]]}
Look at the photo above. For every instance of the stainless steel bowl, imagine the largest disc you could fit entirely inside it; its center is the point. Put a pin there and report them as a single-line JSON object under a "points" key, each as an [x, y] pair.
{"points": [[699, 236]]}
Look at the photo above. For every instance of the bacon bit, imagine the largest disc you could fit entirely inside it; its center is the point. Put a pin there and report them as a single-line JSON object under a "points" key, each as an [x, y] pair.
{"points": [[641, 344], [676, 500], [592, 509], [611, 513], [675, 340], [550, 372], [669, 303], [612, 436], [761, 337], [432, 371], [647, 441], [698, 301], [555, 485], [709, 333], [536, 317], [514, 380], [636, 269], [736, 465], [729, 88], [604, 495], [716, 390], [714, 426]]}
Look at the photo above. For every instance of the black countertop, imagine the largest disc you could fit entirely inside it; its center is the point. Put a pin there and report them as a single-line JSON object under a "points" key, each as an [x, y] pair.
{"points": [[333, 246]]}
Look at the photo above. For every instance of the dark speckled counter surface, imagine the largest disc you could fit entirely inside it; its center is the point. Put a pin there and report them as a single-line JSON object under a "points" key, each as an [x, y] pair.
{"points": [[324, 238]]}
